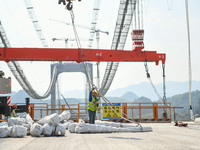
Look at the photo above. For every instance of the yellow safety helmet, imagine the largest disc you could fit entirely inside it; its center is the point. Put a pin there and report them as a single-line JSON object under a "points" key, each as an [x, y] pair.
{"points": [[95, 92]]}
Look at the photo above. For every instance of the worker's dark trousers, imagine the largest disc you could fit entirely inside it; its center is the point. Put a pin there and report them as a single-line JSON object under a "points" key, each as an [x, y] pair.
{"points": [[92, 115]]}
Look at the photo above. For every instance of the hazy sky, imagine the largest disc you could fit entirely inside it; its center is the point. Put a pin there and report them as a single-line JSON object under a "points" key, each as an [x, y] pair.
{"points": [[165, 32]]}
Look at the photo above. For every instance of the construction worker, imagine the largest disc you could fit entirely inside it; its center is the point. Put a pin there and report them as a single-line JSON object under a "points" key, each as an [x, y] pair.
{"points": [[92, 105], [13, 113]]}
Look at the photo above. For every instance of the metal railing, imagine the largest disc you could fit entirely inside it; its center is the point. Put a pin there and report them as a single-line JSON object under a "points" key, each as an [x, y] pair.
{"points": [[140, 112]]}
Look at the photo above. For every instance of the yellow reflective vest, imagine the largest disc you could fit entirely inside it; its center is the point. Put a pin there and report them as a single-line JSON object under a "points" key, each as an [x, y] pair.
{"points": [[13, 113], [92, 106]]}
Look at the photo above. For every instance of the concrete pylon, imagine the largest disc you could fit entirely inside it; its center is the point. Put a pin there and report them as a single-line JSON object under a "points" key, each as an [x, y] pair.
{"points": [[67, 67]]}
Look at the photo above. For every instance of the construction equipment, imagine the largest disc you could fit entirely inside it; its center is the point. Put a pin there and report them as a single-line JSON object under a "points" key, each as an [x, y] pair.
{"points": [[5, 84], [6, 110], [79, 55], [181, 124], [67, 39], [82, 26], [5, 88]]}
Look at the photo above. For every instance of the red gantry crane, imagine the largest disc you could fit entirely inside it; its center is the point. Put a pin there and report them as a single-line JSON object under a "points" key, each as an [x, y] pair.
{"points": [[79, 55]]}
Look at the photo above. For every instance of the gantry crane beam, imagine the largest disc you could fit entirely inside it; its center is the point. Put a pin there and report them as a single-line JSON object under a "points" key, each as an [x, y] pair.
{"points": [[78, 55]]}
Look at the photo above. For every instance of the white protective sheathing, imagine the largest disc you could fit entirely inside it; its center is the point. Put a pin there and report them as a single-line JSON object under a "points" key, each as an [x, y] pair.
{"points": [[18, 131], [94, 128], [4, 131], [60, 130], [106, 123], [52, 119], [36, 129], [71, 127], [47, 129], [16, 121], [114, 124], [65, 115]]}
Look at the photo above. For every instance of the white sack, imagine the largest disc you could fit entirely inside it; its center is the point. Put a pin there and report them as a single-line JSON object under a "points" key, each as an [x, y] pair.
{"points": [[36, 129], [197, 120], [4, 131], [65, 115], [60, 130], [66, 124], [53, 129], [44, 120], [71, 127], [28, 119], [16, 121], [18, 131], [10, 130], [53, 119], [47, 129], [69, 121], [27, 126], [4, 123]]}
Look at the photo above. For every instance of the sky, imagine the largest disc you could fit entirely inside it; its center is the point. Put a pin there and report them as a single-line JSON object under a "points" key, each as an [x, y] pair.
{"points": [[165, 31]]}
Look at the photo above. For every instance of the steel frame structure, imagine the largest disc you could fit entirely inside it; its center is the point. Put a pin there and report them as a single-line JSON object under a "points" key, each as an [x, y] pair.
{"points": [[79, 55]]}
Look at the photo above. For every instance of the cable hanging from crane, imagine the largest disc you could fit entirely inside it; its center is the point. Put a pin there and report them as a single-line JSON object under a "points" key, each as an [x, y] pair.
{"points": [[189, 60], [137, 37], [88, 75]]}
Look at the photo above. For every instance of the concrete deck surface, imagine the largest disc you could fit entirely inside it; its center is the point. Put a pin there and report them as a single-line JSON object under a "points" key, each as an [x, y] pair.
{"points": [[165, 136]]}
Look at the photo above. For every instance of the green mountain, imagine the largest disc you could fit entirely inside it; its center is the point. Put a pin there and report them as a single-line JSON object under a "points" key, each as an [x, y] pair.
{"points": [[182, 100]]}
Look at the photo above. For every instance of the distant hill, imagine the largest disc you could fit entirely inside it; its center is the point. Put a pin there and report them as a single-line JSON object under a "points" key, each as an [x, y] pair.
{"points": [[142, 100], [117, 99], [129, 96], [145, 89], [20, 96], [142, 89], [182, 100]]}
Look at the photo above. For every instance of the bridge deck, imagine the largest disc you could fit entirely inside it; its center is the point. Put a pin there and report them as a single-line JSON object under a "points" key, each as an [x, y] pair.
{"points": [[164, 136]]}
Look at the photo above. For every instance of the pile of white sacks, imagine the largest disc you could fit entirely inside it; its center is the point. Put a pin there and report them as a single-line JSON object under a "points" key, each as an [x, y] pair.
{"points": [[56, 125], [106, 127], [52, 125]]}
